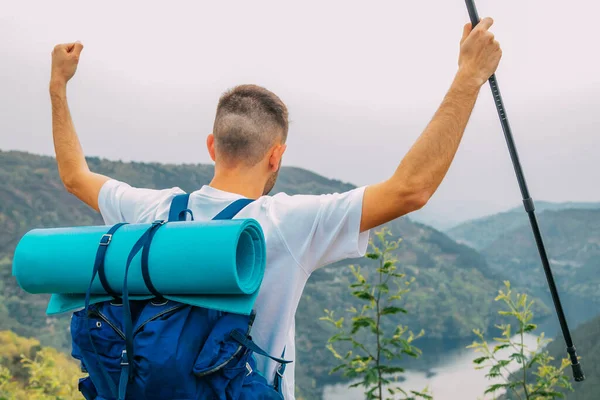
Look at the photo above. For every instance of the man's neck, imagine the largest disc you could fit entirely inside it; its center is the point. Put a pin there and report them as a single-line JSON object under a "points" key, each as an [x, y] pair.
{"points": [[241, 184]]}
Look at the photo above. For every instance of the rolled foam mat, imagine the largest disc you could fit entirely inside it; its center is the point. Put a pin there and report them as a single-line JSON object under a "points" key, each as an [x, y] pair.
{"points": [[215, 264]]}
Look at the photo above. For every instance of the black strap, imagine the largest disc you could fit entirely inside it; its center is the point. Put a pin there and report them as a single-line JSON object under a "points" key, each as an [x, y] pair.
{"points": [[250, 345], [101, 255], [145, 269], [278, 380], [105, 241], [127, 320]]}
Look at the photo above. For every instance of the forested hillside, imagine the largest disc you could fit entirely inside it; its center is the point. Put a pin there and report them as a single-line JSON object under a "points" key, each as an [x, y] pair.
{"points": [[587, 339], [453, 291], [482, 232]]}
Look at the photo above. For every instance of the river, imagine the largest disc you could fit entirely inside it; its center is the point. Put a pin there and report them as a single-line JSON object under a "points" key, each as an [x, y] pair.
{"points": [[454, 378]]}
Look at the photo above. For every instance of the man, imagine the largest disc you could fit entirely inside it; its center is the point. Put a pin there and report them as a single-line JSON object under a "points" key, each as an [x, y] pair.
{"points": [[247, 144]]}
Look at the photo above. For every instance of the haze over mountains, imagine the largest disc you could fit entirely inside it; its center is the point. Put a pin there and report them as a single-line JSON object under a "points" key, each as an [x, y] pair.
{"points": [[356, 106]]}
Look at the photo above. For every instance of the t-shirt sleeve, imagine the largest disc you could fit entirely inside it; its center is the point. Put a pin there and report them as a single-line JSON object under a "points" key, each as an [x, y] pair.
{"points": [[320, 230], [120, 202]]}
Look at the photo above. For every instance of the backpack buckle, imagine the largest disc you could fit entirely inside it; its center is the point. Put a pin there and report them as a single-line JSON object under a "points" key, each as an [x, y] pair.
{"points": [[279, 372], [105, 239], [124, 358], [159, 222]]}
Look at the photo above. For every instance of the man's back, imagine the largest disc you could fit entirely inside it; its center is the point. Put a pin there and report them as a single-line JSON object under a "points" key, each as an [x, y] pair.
{"points": [[302, 233]]}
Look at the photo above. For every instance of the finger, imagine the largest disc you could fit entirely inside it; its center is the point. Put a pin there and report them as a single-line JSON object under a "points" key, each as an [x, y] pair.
{"points": [[60, 47], [70, 47], [77, 48], [485, 24], [466, 31]]}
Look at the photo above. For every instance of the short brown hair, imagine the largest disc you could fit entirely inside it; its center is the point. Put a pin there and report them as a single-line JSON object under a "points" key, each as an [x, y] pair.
{"points": [[249, 119]]}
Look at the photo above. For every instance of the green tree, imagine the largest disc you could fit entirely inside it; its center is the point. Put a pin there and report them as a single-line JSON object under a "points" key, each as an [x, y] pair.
{"points": [[31, 372], [372, 341], [8, 385], [536, 377]]}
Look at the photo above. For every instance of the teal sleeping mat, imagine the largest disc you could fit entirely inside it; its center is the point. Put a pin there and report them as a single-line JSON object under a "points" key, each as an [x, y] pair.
{"points": [[214, 264]]}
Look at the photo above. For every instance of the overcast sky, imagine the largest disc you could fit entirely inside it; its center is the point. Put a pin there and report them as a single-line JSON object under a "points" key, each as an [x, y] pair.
{"points": [[361, 80]]}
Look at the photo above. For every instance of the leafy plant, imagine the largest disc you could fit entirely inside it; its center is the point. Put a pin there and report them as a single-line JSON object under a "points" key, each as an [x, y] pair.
{"points": [[371, 351], [31, 372], [536, 377]]}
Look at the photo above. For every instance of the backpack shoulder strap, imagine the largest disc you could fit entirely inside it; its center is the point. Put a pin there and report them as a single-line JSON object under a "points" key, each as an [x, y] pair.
{"points": [[233, 209], [178, 206]]}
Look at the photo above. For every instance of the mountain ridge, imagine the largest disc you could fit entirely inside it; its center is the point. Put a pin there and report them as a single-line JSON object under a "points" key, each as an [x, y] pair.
{"points": [[480, 232]]}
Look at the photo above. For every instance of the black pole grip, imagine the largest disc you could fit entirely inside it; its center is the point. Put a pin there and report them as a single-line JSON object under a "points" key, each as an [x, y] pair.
{"points": [[577, 370], [472, 12], [578, 373]]}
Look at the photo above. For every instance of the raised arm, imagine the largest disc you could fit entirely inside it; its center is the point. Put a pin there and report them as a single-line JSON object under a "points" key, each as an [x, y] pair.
{"points": [[424, 167], [72, 166]]}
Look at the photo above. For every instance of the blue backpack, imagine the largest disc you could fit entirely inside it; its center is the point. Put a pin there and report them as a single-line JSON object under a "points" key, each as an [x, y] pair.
{"points": [[164, 350]]}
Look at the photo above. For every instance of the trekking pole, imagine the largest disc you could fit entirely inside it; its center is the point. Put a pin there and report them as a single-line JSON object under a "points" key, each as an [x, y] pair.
{"points": [[530, 209]]}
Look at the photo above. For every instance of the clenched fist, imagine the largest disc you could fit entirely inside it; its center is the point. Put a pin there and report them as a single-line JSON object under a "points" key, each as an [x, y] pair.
{"points": [[65, 58], [480, 53]]}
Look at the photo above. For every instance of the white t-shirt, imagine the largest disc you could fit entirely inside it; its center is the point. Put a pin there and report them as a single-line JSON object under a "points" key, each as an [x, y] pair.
{"points": [[302, 233]]}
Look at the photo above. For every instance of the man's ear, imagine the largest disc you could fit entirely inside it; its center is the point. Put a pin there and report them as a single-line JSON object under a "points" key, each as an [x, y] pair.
{"points": [[276, 156], [210, 144]]}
